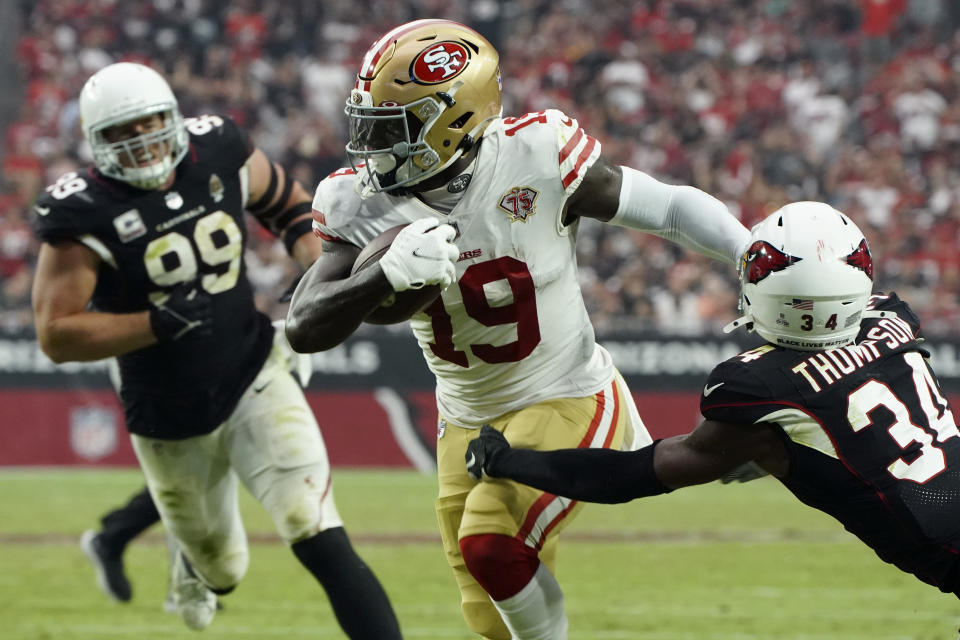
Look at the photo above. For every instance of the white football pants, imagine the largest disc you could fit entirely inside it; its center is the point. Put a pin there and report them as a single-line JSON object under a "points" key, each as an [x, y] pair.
{"points": [[272, 443]]}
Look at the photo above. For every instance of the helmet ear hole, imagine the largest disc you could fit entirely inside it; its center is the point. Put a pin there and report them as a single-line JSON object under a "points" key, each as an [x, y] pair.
{"points": [[461, 121]]}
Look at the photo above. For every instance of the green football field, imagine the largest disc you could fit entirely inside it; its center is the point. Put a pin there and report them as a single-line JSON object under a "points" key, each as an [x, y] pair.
{"points": [[740, 562]]}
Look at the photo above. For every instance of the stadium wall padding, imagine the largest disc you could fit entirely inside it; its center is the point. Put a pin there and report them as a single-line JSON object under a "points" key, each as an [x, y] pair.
{"points": [[373, 398]]}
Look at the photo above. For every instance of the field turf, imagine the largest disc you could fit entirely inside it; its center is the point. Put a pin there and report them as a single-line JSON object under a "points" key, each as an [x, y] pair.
{"points": [[741, 562]]}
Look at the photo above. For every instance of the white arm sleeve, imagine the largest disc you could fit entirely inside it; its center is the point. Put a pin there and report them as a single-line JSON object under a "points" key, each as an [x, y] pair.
{"points": [[686, 215]]}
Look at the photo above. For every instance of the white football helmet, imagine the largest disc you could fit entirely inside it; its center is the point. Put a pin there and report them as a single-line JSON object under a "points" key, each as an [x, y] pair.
{"points": [[806, 278], [425, 93], [121, 93]]}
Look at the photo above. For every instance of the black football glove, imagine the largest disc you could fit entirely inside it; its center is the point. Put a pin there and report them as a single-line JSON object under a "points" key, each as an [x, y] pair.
{"points": [[483, 452], [187, 310]]}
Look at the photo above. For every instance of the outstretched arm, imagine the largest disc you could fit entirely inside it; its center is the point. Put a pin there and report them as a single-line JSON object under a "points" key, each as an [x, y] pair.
{"points": [[604, 475], [686, 215]]}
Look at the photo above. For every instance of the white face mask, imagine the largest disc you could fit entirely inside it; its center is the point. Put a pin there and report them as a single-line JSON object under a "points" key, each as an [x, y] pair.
{"points": [[152, 176], [119, 160]]}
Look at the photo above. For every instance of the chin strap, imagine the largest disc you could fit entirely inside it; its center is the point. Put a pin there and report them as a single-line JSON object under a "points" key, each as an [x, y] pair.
{"points": [[742, 321]]}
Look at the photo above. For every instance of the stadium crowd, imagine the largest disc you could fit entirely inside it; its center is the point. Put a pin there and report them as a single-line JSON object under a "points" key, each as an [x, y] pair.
{"points": [[758, 102]]}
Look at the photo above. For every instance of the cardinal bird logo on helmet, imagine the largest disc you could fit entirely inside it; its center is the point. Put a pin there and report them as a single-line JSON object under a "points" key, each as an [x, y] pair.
{"points": [[861, 259], [762, 259]]}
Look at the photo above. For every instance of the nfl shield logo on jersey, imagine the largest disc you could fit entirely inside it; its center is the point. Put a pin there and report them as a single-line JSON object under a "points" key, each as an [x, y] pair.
{"points": [[174, 200], [519, 203], [460, 183], [129, 225], [93, 432]]}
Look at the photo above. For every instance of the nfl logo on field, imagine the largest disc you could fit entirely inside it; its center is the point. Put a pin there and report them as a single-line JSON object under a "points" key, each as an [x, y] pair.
{"points": [[93, 432]]}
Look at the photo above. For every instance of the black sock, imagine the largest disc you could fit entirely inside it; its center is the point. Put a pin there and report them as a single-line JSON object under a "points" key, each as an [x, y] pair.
{"points": [[358, 600], [122, 525]]}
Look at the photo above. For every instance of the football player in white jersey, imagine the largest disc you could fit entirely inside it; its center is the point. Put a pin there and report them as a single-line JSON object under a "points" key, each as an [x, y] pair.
{"points": [[494, 204]]}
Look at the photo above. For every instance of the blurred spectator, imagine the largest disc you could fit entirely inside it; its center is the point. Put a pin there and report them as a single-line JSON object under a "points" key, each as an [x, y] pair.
{"points": [[878, 200], [918, 108], [879, 19], [676, 304]]}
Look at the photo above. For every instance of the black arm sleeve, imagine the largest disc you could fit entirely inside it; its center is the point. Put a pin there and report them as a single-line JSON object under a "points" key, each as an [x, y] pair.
{"points": [[590, 475]]}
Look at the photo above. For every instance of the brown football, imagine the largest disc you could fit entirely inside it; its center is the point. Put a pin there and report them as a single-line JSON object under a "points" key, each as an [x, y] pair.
{"points": [[400, 306]]}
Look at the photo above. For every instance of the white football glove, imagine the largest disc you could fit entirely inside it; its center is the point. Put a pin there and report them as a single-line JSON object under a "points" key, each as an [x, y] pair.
{"points": [[422, 253]]}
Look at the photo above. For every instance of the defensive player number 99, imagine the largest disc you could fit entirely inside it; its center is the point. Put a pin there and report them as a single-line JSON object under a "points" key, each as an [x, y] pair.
{"points": [[185, 269]]}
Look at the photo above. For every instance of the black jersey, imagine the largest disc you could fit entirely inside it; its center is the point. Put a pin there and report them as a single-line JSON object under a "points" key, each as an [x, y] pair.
{"points": [[872, 440], [150, 241]]}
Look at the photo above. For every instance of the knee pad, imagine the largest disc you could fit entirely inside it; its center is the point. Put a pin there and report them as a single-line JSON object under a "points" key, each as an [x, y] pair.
{"points": [[222, 569], [501, 564], [301, 512]]}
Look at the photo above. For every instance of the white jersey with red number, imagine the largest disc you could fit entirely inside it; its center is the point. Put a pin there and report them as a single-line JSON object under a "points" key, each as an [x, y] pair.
{"points": [[513, 330]]}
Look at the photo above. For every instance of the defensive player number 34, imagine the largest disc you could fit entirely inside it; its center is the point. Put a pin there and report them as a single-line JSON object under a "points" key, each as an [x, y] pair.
{"points": [[522, 312], [171, 259], [874, 394]]}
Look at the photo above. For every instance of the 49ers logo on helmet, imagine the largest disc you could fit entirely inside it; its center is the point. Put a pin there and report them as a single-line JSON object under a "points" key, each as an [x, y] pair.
{"points": [[439, 62]]}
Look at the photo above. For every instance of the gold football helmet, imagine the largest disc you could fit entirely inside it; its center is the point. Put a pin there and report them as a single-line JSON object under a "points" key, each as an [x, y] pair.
{"points": [[425, 93]]}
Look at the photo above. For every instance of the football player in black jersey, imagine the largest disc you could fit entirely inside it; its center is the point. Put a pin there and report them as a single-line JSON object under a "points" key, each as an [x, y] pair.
{"points": [[142, 259], [840, 405]]}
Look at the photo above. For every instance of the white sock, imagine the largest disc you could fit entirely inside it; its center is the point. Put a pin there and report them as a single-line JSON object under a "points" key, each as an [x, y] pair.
{"points": [[536, 612]]}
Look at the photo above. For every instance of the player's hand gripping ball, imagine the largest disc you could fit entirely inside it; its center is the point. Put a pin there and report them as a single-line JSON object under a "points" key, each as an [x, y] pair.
{"points": [[418, 270]]}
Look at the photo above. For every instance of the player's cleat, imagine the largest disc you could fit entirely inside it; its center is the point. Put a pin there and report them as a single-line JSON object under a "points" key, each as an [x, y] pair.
{"points": [[195, 603], [108, 564], [170, 604]]}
